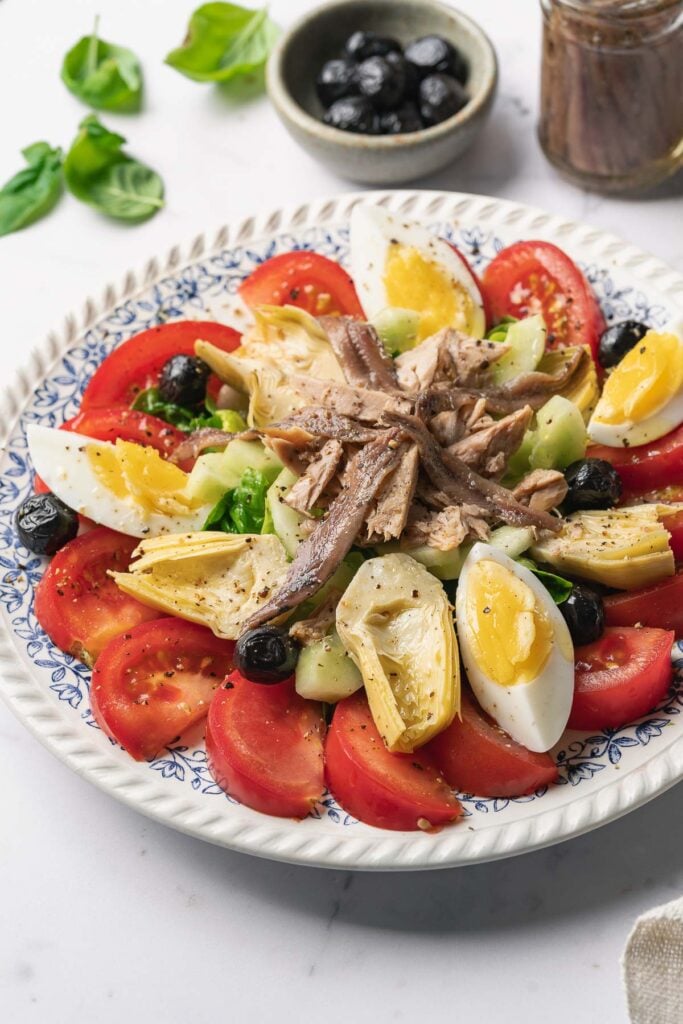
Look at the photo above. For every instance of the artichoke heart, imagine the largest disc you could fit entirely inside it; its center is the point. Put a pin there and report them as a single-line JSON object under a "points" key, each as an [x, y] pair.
{"points": [[625, 548], [284, 341], [583, 389], [215, 579], [397, 625]]}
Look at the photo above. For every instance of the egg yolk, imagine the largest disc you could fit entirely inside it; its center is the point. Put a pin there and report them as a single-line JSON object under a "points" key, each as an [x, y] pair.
{"points": [[413, 282], [510, 632], [645, 380], [131, 471]]}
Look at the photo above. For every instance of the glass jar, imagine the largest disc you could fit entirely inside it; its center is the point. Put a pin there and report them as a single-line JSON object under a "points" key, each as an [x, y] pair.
{"points": [[612, 91]]}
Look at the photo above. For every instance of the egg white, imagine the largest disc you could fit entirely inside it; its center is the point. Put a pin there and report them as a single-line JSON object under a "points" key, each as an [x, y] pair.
{"points": [[59, 457], [534, 713], [373, 229], [631, 433]]}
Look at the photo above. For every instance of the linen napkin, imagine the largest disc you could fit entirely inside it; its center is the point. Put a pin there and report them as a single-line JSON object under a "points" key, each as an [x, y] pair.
{"points": [[652, 966]]}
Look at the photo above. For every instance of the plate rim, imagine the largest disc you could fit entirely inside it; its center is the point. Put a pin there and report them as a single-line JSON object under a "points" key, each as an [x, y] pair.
{"points": [[274, 838]]}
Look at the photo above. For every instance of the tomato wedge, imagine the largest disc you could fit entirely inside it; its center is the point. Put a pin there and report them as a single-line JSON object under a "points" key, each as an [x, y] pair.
{"points": [[476, 756], [128, 424], [403, 792], [78, 605], [537, 277], [155, 681], [136, 364], [659, 605], [647, 467], [621, 677], [304, 279], [264, 745]]}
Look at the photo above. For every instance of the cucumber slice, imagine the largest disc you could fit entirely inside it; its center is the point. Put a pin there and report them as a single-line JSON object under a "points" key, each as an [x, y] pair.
{"points": [[445, 565], [325, 672], [397, 329], [512, 540], [560, 436], [217, 472], [286, 522], [526, 341]]}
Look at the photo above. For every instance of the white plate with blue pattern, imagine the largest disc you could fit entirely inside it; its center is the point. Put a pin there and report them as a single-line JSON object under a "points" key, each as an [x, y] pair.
{"points": [[602, 776]]}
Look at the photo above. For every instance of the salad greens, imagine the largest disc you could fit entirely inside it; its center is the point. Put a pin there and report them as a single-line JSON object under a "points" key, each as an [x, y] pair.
{"points": [[242, 509], [103, 75], [180, 416], [557, 586], [99, 173], [224, 41], [31, 193]]}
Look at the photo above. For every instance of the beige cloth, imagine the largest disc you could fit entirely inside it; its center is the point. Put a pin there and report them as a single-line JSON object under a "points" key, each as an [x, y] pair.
{"points": [[652, 966]]}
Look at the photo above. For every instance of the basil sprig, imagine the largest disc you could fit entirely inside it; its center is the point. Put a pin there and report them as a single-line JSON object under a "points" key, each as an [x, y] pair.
{"points": [[31, 193], [103, 75], [98, 172], [557, 586], [223, 42]]}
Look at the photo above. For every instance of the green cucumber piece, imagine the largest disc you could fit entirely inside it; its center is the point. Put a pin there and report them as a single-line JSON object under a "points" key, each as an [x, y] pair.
{"points": [[560, 436], [325, 671], [287, 523], [217, 472], [397, 329], [526, 342]]}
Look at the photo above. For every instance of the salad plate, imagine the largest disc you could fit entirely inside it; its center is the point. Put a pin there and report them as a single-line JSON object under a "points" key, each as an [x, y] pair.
{"points": [[602, 774]]}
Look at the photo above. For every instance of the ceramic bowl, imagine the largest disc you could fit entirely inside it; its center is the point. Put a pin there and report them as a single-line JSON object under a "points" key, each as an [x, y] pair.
{"points": [[378, 159]]}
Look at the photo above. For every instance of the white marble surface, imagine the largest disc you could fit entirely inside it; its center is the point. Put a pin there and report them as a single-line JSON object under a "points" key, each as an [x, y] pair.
{"points": [[107, 917]]}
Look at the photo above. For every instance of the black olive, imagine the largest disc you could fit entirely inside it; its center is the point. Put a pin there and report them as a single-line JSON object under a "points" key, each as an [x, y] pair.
{"points": [[362, 45], [412, 80], [381, 82], [183, 381], [593, 483], [266, 654], [584, 613], [45, 524], [337, 79], [405, 119], [619, 339], [352, 114], [431, 55], [440, 97]]}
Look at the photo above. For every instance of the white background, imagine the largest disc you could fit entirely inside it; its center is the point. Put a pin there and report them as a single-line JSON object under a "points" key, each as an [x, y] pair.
{"points": [[106, 917]]}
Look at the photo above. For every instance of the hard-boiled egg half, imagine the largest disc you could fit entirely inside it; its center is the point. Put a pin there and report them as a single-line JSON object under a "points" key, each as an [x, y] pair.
{"points": [[124, 486], [643, 396], [396, 263], [516, 648]]}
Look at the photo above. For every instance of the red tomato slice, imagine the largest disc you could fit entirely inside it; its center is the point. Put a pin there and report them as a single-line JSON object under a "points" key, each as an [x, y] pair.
{"points": [[476, 756], [403, 792], [620, 677], [78, 605], [304, 279], [537, 277], [646, 467], [674, 524], [136, 364], [155, 681], [660, 605], [264, 745]]}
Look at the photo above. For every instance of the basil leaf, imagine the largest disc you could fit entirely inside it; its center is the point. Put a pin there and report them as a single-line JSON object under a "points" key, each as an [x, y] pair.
{"points": [[224, 41], [242, 509], [103, 75], [558, 587], [31, 193], [98, 172]]}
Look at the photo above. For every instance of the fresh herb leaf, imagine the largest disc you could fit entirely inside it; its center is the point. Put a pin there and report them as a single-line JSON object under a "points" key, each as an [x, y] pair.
{"points": [[150, 401], [242, 509], [31, 193], [103, 75], [98, 172], [223, 42], [558, 587]]}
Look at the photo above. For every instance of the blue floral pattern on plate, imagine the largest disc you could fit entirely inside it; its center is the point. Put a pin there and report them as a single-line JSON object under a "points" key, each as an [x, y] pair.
{"points": [[195, 292]]}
